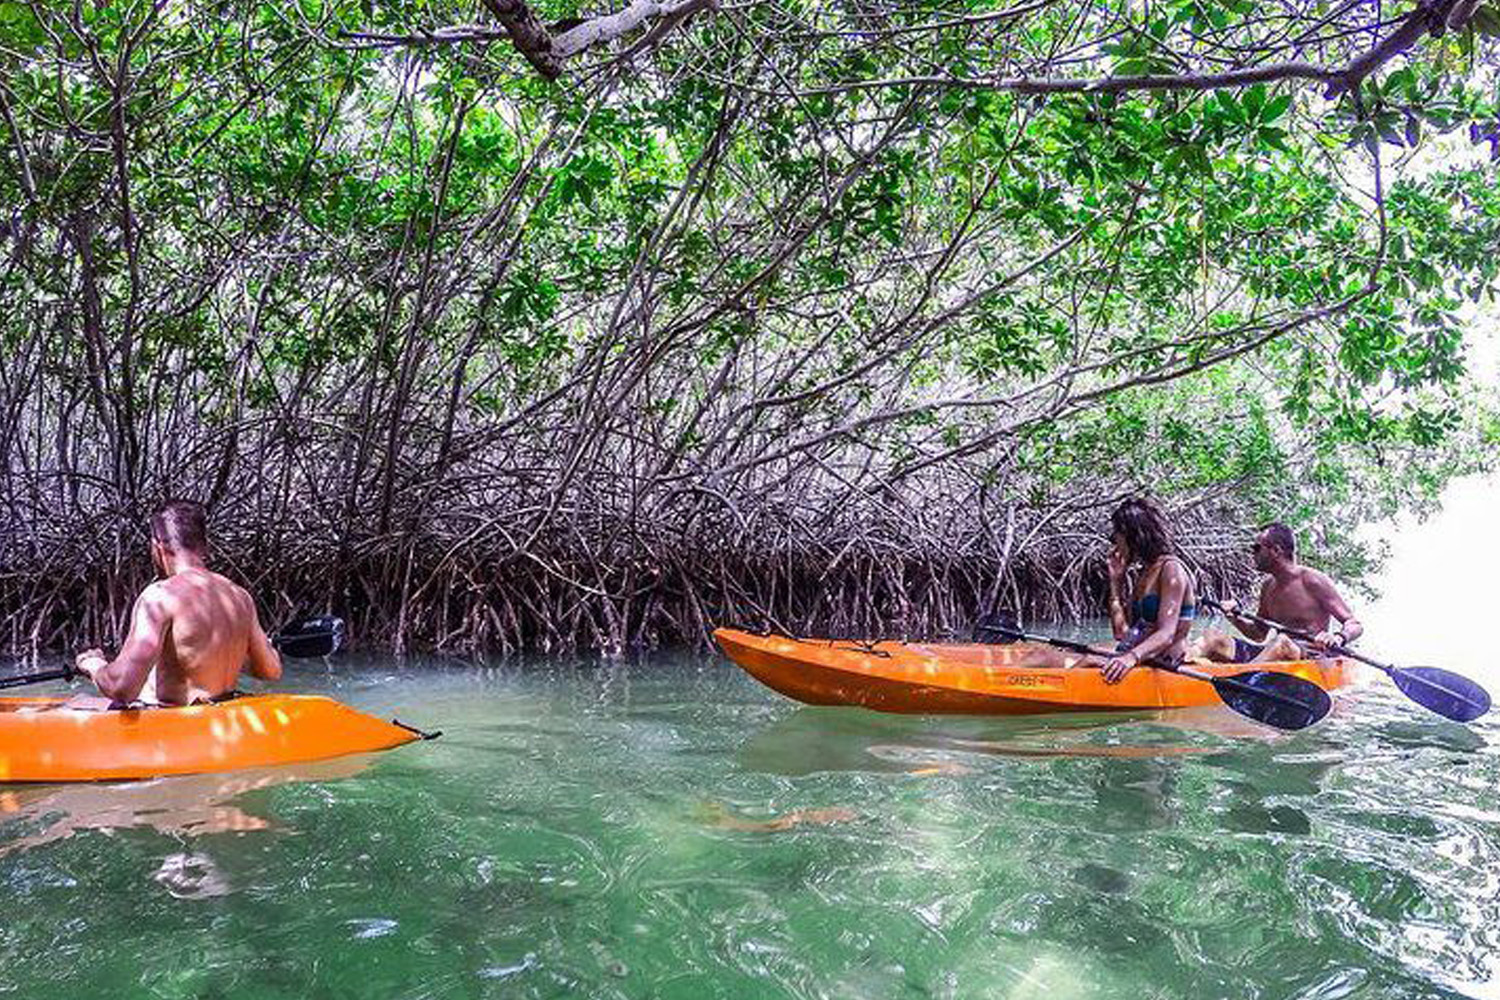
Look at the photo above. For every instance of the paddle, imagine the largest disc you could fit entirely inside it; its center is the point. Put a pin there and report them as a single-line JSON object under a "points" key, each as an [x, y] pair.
{"points": [[1284, 701], [1450, 695], [46, 675], [310, 638], [303, 639]]}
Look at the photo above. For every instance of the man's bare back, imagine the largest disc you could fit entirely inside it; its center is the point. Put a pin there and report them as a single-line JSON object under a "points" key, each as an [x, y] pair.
{"points": [[208, 638], [191, 633]]}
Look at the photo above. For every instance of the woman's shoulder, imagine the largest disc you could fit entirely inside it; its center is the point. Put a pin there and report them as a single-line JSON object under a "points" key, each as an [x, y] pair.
{"points": [[1173, 564]]}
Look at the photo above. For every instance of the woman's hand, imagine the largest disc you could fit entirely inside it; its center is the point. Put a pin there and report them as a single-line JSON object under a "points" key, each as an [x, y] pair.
{"points": [[1116, 667], [1115, 561]]}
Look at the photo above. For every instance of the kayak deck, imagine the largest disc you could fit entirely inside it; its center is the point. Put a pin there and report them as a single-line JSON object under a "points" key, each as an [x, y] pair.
{"points": [[975, 679], [42, 740]]}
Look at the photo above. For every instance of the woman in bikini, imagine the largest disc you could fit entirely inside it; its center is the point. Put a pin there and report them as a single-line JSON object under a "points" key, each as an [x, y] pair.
{"points": [[1151, 619], [1155, 620]]}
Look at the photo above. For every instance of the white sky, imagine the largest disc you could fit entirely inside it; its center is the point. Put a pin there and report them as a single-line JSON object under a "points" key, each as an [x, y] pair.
{"points": [[1440, 590]]}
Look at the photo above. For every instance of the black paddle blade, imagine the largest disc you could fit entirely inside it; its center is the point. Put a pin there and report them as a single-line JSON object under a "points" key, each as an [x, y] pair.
{"points": [[1450, 695], [308, 638], [996, 628], [1281, 700]]}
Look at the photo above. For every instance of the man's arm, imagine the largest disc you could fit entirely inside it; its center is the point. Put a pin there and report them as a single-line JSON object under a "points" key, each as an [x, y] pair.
{"points": [[1327, 596], [121, 679], [1254, 631], [265, 662]]}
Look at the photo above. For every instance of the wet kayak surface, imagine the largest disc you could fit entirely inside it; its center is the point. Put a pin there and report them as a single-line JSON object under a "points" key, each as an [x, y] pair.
{"points": [[670, 828]]}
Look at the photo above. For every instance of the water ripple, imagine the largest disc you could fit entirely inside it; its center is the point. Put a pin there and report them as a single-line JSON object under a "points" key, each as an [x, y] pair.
{"points": [[669, 829]]}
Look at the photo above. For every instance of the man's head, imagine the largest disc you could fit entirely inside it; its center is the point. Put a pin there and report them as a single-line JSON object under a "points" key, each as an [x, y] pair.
{"points": [[1140, 525], [179, 529], [1273, 547]]}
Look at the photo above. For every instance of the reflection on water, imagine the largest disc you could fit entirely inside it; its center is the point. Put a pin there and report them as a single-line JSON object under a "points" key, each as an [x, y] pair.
{"points": [[714, 814], [186, 806], [807, 740], [671, 829], [192, 876]]}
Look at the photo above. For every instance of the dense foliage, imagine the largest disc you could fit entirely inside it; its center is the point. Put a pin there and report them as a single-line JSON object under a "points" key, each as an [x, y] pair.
{"points": [[843, 315]]}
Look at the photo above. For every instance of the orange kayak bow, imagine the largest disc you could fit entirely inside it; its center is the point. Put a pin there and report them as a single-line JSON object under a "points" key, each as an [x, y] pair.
{"points": [[975, 679], [42, 740]]}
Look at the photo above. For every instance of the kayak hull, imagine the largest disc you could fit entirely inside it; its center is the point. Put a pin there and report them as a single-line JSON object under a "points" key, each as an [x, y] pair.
{"points": [[975, 679], [43, 740]]}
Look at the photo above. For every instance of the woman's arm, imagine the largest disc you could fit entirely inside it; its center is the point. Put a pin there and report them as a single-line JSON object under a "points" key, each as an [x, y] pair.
{"points": [[1115, 562]]}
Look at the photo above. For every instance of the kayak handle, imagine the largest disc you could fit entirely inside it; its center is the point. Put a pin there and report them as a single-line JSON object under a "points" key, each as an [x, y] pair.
{"points": [[421, 733]]}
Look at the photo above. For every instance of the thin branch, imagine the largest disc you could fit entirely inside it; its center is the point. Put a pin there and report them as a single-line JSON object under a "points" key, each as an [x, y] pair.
{"points": [[1411, 28]]}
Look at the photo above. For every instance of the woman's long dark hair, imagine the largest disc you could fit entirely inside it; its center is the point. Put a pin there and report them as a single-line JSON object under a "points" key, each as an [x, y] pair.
{"points": [[1144, 529]]}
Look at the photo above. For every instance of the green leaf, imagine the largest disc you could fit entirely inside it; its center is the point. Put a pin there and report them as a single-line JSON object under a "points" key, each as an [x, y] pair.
{"points": [[1254, 99], [1275, 138], [1230, 106], [1276, 108]]}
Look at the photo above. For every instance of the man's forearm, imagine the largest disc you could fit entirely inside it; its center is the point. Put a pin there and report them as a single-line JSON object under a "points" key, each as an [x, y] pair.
{"points": [[110, 684], [1254, 631], [113, 680]]}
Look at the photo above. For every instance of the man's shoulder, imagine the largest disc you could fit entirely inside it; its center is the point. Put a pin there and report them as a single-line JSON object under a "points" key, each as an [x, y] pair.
{"points": [[184, 588], [223, 581], [157, 600], [158, 592], [1315, 577], [225, 586]]}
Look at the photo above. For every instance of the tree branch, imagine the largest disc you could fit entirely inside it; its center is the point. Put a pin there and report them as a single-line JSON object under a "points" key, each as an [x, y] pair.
{"points": [[532, 38], [436, 36], [528, 33], [612, 26], [1429, 17]]}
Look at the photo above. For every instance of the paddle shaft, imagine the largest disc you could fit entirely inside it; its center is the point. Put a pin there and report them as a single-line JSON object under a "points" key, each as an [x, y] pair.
{"points": [[1299, 634], [1464, 702], [1159, 664], [61, 674]]}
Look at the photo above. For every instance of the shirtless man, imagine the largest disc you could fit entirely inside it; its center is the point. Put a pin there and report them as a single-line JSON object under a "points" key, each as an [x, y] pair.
{"points": [[1296, 596], [191, 633]]}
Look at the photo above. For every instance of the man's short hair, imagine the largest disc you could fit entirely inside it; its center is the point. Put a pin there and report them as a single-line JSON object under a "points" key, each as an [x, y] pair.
{"points": [[181, 526], [1280, 535]]}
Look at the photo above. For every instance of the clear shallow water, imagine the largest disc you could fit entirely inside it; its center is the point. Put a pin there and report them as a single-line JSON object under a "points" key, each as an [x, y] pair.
{"points": [[671, 829]]}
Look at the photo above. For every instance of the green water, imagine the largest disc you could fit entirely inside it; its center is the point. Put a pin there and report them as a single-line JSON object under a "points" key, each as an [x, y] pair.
{"points": [[668, 828]]}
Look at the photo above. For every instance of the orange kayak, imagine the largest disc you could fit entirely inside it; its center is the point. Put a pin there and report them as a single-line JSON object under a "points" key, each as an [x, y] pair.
{"points": [[974, 679], [41, 740]]}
